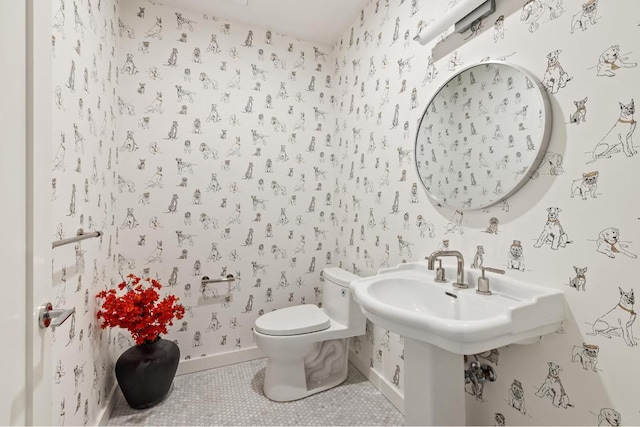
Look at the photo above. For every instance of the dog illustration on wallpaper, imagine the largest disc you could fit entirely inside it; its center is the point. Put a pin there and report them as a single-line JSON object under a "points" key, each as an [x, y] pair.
{"points": [[553, 232], [182, 22], [130, 221], [431, 71], [59, 19], [515, 257], [213, 45], [587, 14], [129, 67], [129, 143], [173, 205], [125, 262], [580, 115], [214, 323], [619, 320], [258, 268], [609, 243], [516, 397], [551, 164], [620, 136], [493, 226], [125, 184], [208, 152], [156, 30], [173, 131], [173, 58], [580, 280], [184, 238], [499, 419], [155, 106], [535, 12], [156, 179], [404, 246], [454, 61], [553, 388], [208, 82], [126, 107], [124, 29], [183, 94], [586, 355], [425, 227], [236, 217], [214, 254], [609, 417], [478, 258], [207, 222], [79, 29], [498, 29], [585, 186], [610, 60], [555, 77]]}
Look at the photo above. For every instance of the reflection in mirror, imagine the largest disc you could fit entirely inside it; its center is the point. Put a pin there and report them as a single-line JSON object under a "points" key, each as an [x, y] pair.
{"points": [[482, 136]]}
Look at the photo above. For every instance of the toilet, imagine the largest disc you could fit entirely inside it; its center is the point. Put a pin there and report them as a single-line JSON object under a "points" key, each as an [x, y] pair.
{"points": [[307, 347]]}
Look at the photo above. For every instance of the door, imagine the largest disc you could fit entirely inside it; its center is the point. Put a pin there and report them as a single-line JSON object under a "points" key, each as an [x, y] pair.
{"points": [[25, 247], [39, 101], [13, 398]]}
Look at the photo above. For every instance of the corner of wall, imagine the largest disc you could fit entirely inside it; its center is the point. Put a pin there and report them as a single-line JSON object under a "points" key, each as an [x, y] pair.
{"points": [[394, 395]]}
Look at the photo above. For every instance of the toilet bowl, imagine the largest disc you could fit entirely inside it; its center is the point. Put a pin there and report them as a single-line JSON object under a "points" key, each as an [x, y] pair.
{"points": [[307, 347]]}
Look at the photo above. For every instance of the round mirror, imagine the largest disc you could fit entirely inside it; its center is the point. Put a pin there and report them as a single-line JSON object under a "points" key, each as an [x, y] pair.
{"points": [[482, 136]]}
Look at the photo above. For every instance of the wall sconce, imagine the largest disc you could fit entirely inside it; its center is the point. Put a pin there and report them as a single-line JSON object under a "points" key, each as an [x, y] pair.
{"points": [[463, 14]]}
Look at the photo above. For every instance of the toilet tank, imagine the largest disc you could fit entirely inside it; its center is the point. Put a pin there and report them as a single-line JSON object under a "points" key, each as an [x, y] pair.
{"points": [[337, 301]]}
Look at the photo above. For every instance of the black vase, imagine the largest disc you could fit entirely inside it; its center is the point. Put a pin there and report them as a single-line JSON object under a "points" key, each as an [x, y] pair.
{"points": [[145, 372]]}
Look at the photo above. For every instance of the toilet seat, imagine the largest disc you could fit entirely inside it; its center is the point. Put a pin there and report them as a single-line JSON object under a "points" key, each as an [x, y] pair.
{"points": [[295, 320]]}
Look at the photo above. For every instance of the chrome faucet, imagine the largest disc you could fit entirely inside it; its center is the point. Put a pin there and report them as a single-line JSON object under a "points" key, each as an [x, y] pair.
{"points": [[460, 274]]}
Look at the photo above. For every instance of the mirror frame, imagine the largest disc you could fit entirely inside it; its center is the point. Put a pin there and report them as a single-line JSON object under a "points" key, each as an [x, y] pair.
{"points": [[543, 142]]}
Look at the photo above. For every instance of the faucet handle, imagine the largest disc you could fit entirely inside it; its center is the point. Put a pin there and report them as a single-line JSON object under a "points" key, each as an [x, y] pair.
{"points": [[483, 282], [492, 270], [440, 278]]}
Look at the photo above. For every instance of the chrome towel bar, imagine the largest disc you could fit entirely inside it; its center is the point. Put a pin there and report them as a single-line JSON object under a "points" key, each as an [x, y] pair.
{"points": [[80, 235], [229, 278]]}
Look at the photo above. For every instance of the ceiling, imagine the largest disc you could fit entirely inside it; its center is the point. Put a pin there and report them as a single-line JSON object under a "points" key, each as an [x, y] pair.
{"points": [[318, 21]]}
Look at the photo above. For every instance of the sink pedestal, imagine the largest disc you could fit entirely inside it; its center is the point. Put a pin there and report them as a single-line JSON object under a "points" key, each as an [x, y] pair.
{"points": [[433, 385], [441, 323]]}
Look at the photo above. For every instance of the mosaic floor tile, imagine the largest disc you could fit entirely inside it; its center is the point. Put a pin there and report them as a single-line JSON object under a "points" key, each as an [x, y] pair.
{"points": [[232, 395]]}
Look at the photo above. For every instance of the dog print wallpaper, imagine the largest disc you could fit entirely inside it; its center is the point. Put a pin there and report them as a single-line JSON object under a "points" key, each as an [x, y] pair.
{"points": [[221, 163], [573, 226], [83, 195], [224, 152], [206, 147]]}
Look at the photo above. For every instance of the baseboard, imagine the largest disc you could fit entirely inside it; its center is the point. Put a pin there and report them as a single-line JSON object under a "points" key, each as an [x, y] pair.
{"points": [[218, 360], [388, 390], [105, 413]]}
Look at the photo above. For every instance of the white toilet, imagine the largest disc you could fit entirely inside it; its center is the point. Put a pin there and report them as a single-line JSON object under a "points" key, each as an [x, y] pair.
{"points": [[307, 347]]}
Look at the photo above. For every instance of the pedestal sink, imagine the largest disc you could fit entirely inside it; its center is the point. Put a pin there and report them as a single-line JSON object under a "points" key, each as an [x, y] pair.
{"points": [[441, 323]]}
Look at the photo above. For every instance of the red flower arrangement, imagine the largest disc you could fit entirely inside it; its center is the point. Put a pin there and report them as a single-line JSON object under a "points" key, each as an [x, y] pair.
{"points": [[140, 309]]}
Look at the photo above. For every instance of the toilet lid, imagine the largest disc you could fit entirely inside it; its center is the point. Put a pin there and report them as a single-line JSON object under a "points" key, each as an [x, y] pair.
{"points": [[299, 319]]}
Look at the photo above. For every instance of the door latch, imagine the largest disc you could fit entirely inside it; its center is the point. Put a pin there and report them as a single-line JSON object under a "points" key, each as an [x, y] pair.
{"points": [[50, 317]]}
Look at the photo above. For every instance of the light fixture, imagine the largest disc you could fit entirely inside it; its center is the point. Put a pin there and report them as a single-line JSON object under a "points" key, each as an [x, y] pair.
{"points": [[463, 14]]}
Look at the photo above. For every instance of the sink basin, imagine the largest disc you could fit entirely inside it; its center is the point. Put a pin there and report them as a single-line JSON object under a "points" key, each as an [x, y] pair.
{"points": [[406, 300], [441, 323]]}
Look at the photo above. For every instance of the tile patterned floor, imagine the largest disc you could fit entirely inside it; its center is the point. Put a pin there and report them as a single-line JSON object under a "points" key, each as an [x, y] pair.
{"points": [[232, 395]]}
